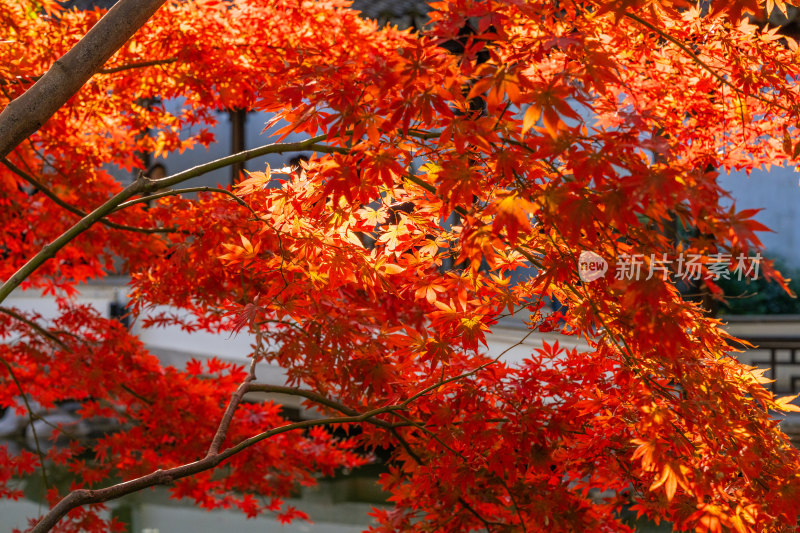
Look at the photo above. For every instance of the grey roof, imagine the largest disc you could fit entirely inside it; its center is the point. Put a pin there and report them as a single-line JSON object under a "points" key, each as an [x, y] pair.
{"points": [[404, 13], [370, 8], [398, 8], [87, 4]]}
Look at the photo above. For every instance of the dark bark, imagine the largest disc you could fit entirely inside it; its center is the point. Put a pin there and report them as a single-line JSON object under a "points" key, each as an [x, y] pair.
{"points": [[238, 133]]}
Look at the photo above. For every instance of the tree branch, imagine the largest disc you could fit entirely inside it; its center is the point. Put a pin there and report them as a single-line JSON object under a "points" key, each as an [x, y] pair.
{"points": [[236, 399], [80, 497], [36, 327], [318, 398], [111, 70], [175, 192], [309, 395], [31, 419], [700, 62], [239, 157], [72, 209], [26, 114], [49, 250], [141, 185], [137, 64]]}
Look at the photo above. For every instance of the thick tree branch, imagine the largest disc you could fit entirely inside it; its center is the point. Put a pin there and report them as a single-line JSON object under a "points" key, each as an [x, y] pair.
{"points": [[236, 399], [23, 116]]}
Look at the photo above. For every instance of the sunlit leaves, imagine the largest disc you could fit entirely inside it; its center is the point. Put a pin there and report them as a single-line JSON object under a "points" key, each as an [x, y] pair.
{"points": [[451, 190]]}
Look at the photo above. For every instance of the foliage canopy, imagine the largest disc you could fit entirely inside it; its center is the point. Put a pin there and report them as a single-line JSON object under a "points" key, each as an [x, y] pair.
{"points": [[548, 129]]}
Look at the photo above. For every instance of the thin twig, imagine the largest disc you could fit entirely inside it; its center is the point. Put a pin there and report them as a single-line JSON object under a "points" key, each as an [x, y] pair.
{"points": [[72, 209], [699, 61], [317, 398], [135, 65], [411, 453], [142, 185], [110, 70], [36, 327], [309, 395], [176, 192], [31, 419], [52, 337]]}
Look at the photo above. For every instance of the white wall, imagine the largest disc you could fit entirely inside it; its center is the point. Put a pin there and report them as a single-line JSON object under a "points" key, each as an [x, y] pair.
{"points": [[778, 193], [150, 516]]}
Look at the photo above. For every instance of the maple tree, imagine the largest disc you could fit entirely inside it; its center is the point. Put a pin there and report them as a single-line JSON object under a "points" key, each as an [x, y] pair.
{"points": [[548, 129]]}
